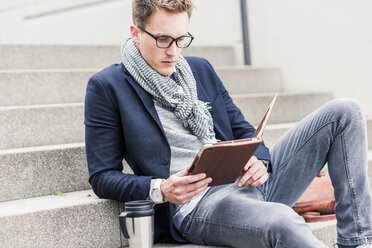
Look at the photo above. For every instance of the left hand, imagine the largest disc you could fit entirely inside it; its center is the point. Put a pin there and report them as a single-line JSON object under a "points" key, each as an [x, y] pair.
{"points": [[254, 173]]}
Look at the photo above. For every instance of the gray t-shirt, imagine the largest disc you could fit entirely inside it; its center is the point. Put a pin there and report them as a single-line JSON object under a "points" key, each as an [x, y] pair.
{"points": [[183, 143], [184, 147]]}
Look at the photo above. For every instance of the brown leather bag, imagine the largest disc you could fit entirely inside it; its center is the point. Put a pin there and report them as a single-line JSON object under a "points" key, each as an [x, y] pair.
{"points": [[318, 201]]}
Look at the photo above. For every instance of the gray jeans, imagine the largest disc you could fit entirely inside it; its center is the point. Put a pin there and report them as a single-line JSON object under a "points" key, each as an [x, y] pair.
{"points": [[262, 216]]}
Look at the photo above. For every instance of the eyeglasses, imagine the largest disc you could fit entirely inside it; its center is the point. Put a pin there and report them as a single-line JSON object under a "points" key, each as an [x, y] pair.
{"points": [[165, 41]]}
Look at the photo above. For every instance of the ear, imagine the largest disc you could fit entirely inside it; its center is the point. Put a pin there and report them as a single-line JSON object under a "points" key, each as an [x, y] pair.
{"points": [[134, 33]]}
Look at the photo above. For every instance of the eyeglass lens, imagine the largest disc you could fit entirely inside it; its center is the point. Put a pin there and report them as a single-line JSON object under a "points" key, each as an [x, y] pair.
{"points": [[164, 41]]}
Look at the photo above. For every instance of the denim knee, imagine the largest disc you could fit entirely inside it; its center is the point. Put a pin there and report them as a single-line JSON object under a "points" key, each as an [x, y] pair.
{"points": [[346, 110], [284, 222]]}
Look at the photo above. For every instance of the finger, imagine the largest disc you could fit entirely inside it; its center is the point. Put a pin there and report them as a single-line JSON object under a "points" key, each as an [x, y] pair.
{"points": [[248, 174], [193, 178], [199, 184], [255, 177], [250, 162], [261, 181], [179, 192], [188, 196], [186, 178], [180, 182]]}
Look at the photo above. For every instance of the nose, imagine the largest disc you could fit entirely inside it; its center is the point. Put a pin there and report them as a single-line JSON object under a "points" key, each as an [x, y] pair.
{"points": [[172, 50]]}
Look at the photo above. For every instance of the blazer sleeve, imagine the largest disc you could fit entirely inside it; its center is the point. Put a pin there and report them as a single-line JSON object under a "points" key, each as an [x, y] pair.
{"points": [[104, 144]]}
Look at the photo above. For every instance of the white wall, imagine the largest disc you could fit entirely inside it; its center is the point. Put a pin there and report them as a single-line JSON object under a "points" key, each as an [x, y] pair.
{"points": [[319, 45], [107, 23], [96, 24]]}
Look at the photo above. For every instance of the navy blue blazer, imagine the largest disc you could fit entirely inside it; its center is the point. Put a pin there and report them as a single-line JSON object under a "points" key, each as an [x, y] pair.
{"points": [[121, 122]]}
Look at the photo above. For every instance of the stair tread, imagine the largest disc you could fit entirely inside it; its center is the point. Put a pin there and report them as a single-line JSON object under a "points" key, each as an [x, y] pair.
{"points": [[236, 96], [281, 93], [42, 203], [18, 56], [41, 148], [74, 220], [49, 86], [41, 106]]}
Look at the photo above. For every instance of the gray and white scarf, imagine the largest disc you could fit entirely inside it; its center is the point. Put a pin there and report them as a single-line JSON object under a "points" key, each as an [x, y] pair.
{"points": [[181, 96]]}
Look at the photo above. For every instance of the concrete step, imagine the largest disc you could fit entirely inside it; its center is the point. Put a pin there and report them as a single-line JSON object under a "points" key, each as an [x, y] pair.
{"points": [[87, 56], [217, 56], [78, 219], [44, 170], [325, 232], [274, 131], [38, 171], [39, 125], [289, 107], [239, 80], [27, 87], [57, 56]]}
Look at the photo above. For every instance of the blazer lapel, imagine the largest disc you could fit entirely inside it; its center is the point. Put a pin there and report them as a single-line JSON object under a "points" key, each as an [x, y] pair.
{"points": [[147, 101], [203, 96]]}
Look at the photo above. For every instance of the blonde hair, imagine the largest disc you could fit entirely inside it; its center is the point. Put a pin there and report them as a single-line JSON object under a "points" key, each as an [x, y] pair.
{"points": [[143, 9]]}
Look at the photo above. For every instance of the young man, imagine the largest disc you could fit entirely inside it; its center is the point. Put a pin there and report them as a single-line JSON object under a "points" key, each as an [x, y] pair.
{"points": [[156, 109]]}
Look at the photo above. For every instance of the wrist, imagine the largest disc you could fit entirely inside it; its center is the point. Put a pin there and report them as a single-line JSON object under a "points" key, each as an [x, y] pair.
{"points": [[267, 164], [156, 195], [161, 190]]}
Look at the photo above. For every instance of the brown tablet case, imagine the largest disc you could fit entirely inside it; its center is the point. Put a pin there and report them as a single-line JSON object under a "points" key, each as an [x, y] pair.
{"points": [[224, 161]]}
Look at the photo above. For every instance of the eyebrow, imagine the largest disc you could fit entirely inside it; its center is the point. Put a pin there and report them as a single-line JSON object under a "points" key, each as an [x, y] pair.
{"points": [[161, 34]]}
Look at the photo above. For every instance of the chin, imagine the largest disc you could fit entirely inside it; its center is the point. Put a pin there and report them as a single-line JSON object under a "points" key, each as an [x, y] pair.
{"points": [[166, 72]]}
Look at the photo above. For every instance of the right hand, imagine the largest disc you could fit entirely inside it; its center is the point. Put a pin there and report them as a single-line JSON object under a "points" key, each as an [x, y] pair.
{"points": [[180, 188]]}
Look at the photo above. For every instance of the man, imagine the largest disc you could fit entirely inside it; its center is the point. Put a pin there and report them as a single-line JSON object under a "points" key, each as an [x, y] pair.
{"points": [[156, 109]]}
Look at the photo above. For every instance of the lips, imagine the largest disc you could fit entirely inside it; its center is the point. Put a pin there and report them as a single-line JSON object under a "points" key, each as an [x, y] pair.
{"points": [[169, 62]]}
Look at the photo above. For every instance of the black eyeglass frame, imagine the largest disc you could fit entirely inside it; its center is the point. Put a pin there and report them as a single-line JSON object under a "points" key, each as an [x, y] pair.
{"points": [[167, 36]]}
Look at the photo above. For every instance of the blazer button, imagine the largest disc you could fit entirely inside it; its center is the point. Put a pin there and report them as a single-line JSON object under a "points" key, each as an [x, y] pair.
{"points": [[164, 161]]}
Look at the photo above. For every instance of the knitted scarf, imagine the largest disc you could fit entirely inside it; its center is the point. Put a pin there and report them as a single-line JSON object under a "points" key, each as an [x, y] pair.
{"points": [[181, 96]]}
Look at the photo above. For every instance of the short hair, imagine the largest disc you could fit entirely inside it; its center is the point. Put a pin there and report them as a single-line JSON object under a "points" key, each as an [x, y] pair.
{"points": [[143, 9]]}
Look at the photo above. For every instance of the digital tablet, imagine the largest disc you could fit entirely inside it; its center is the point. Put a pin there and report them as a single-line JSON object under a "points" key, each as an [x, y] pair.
{"points": [[224, 161]]}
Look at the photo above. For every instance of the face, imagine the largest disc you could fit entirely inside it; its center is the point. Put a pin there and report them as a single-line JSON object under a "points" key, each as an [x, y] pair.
{"points": [[163, 60]]}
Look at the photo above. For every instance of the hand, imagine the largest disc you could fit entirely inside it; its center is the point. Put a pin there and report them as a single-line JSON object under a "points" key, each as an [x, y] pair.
{"points": [[254, 173], [180, 188]]}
